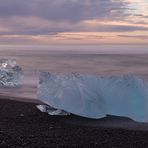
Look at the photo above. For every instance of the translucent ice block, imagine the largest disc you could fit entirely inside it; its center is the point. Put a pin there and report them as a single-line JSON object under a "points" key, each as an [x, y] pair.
{"points": [[95, 96], [10, 73], [52, 111], [72, 93]]}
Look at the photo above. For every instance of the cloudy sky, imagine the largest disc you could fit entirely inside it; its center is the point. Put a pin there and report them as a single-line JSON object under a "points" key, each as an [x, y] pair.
{"points": [[73, 21]]}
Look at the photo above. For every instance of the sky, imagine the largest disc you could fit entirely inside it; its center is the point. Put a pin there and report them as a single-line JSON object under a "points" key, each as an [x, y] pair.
{"points": [[74, 22]]}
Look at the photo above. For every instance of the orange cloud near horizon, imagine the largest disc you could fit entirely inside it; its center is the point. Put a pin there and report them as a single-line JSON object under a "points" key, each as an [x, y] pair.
{"points": [[138, 37]]}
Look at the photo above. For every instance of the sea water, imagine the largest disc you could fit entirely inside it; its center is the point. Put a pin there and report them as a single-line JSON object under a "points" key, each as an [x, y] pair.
{"points": [[102, 60]]}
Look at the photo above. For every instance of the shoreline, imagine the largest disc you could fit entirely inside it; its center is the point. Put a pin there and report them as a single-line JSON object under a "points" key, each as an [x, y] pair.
{"points": [[23, 125], [20, 99], [110, 121]]}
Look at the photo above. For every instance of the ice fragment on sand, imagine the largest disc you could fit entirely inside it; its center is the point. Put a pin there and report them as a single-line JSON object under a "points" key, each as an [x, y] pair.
{"points": [[10, 73], [52, 111]]}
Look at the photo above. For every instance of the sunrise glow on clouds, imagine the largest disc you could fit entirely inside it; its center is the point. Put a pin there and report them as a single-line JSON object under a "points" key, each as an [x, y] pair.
{"points": [[74, 22]]}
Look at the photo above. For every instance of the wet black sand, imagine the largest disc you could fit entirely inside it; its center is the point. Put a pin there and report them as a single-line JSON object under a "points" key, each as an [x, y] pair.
{"points": [[22, 125]]}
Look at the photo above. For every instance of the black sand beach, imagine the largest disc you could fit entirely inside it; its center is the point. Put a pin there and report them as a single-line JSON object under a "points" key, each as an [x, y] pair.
{"points": [[23, 125]]}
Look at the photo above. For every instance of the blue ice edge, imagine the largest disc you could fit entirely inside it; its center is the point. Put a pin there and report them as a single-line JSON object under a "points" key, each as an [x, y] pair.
{"points": [[95, 96]]}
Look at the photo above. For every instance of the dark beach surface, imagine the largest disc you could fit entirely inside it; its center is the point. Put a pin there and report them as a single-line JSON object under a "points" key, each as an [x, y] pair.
{"points": [[23, 125]]}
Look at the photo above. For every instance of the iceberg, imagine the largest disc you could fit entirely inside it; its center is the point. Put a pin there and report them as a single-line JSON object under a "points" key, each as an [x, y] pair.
{"points": [[95, 96], [71, 94], [10, 73]]}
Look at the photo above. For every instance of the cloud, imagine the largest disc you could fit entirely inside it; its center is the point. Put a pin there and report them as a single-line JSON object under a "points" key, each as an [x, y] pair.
{"points": [[67, 10], [46, 16], [123, 28], [48, 20], [143, 37], [137, 11], [38, 26]]}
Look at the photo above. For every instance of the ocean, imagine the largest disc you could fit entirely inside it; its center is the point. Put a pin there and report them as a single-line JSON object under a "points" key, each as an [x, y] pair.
{"points": [[104, 60]]}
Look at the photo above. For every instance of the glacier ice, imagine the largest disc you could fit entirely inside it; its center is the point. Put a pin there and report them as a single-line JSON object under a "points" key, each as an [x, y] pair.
{"points": [[51, 110], [10, 73], [67, 92], [94, 96]]}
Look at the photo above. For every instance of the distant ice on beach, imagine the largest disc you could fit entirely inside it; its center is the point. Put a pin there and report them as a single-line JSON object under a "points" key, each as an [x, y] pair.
{"points": [[10, 73], [94, 96]]}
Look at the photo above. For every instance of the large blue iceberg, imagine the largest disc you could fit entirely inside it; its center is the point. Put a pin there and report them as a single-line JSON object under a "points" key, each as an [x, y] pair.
{"points": [[94, 96]]}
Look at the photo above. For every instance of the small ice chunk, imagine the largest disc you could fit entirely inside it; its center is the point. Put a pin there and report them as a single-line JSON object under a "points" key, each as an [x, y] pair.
{"points": [[10, 73], [51, 110]]}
